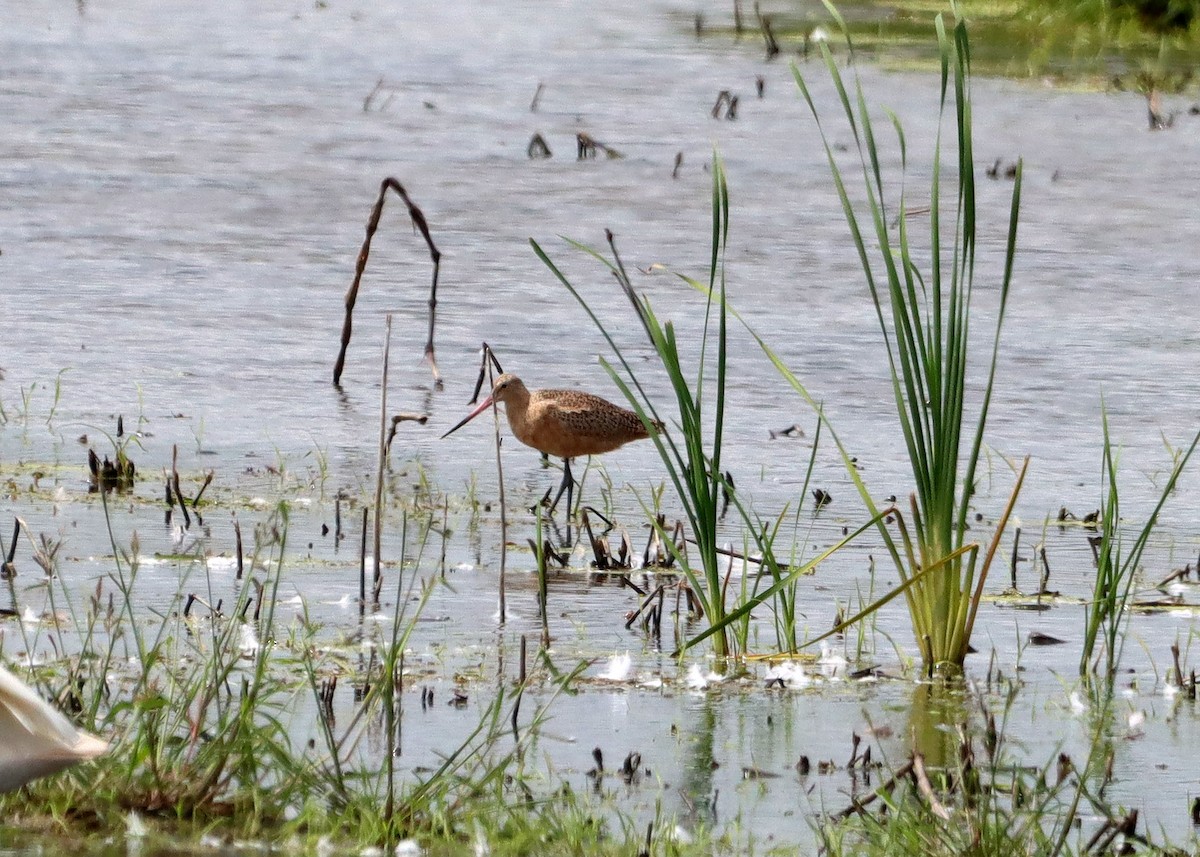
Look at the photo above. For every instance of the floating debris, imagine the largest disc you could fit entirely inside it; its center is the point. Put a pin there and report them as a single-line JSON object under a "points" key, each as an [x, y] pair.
{"points": [[1036, 638], [751, 773], [587, 146], [725, 106], [538, 149], [793, 430]]}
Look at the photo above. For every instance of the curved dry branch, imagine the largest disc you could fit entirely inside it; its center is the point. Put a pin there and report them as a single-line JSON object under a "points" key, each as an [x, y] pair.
{"points": [[419, 222]]}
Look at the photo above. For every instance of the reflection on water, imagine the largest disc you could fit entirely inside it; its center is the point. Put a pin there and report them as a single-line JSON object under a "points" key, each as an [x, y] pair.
{"points": [[185, 191]]}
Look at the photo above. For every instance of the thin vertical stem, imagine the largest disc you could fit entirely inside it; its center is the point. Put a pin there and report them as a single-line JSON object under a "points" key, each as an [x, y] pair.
{"points": [[383, 423]]}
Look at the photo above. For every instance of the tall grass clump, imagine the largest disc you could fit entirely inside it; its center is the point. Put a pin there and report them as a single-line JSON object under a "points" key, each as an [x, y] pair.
{"points": [[925, 319], [693, 454], [186, 693], [203, 699], [1117, 565], [691, 446]]}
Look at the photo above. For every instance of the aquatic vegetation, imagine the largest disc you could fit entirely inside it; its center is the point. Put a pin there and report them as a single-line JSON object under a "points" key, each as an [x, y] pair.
{"points": [[694, 460], [967, 791], [1125, 19], [691, 447], [925, 319], [1128, 43], [1116, 566], [199, 702], [339, 745]]}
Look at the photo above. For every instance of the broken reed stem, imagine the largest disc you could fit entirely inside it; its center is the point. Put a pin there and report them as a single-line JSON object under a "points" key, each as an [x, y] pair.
{"points": [[7, 571], [726, 550], [237, 535], [401, 418], [418, 220], [1012, 566], [542, 553], [926, 788], [445, 536], [520, 690], [362, 567], [187, 519], [859, 805], [646, 603], [383, 424], [487, 361], [208, 478], [503, 522], [592, 541]]}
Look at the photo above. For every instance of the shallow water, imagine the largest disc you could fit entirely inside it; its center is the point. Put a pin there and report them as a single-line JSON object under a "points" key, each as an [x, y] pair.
{"points": [[185, 193]]}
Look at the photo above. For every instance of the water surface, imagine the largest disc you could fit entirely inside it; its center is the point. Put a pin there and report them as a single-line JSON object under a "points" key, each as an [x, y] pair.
{"points": [[185, 189]]}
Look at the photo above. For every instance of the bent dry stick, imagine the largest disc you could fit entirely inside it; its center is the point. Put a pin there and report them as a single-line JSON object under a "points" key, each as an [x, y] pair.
{"points": [[419, 222]]}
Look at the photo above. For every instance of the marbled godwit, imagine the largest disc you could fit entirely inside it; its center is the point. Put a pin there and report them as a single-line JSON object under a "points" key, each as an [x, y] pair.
{"points": [[35, 738], [563, 423]]}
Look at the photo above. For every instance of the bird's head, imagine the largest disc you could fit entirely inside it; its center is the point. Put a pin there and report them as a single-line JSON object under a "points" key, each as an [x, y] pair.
{"points": [[506, 389]]}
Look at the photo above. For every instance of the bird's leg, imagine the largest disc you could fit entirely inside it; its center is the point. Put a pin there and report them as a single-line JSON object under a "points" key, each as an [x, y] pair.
{"points": [[568, 485]]}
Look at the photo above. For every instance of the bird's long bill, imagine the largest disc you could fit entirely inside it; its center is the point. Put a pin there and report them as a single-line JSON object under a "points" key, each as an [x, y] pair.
{"points": [[483, 406]]}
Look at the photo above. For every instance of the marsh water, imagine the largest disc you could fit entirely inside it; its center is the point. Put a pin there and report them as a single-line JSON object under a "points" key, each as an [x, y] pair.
{"points": [[184, 192]]}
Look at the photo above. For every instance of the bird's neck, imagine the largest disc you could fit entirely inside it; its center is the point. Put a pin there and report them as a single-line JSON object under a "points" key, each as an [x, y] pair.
{"points": [[516, 407]]}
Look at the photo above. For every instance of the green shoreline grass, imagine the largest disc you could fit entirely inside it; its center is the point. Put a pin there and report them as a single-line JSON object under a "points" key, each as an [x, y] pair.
{"points": [[1020, 39]]}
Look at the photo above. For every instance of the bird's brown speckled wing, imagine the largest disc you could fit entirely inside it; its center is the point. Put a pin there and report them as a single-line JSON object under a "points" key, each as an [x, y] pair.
{"points": [[587, 424]]}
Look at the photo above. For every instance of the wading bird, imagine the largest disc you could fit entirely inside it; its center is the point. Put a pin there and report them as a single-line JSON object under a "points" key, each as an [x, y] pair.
{"points": [[563, 423], [35, 738]]}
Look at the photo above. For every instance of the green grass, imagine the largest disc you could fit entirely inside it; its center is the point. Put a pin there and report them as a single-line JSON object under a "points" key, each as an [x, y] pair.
{"points": [[969, 790], [1117, 566], [691, 450], [203, 726], [1092, 43], [692, 445], [925, 319]]}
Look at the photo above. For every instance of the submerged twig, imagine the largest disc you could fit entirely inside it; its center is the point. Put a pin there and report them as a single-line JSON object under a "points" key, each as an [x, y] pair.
{"points": [[860, 805], [237, 535], [538, 149], [402, 418], [8, 570], [187, 519], [208, 478]]}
